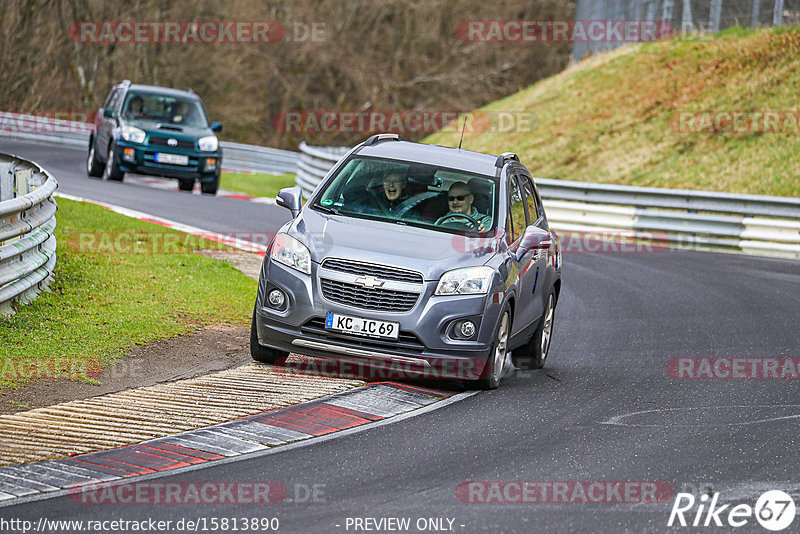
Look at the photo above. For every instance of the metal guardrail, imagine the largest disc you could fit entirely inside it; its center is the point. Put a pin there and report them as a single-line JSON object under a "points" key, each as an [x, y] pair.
{"points": [[236, 156], [751, 223], [755, 224], [27, 223]]}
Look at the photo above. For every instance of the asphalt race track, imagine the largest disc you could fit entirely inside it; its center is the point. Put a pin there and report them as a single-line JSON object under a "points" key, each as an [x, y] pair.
{"points": [[621, 318]]}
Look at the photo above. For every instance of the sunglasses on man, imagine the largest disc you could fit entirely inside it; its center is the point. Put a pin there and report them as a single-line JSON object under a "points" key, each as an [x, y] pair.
{"points": [[451, 198]]}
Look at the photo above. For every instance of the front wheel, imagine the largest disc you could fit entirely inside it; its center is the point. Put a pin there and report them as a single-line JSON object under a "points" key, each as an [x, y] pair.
{"points": [[534, 354], [210, 188], [493, 371], [112, 171], [259, 352], [186, 184]]}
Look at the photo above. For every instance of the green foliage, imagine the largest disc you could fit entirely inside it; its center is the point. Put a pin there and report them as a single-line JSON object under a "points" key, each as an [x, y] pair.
{"points": [[615, 117]]}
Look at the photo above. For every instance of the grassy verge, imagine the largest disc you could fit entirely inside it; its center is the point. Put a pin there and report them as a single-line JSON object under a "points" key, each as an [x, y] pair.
{"points": [[615, 117], [258, 185], [118, 282]]}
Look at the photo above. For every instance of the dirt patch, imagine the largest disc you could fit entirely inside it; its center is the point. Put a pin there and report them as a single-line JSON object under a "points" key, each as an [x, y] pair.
{"points": [[203, 351]]}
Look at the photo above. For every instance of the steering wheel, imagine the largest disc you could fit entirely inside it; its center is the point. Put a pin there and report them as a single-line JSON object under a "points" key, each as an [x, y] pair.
{"points": [[413, 202], [471, 221]]}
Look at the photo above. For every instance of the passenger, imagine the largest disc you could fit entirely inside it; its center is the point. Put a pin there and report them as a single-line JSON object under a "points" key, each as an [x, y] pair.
{"points": [[460, 199], [393, 193]]}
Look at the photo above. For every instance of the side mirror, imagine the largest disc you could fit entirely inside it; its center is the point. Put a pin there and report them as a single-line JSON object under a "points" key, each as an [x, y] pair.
{"points": [[535, 238], [108, 113], [216, 127], [290, 198]]}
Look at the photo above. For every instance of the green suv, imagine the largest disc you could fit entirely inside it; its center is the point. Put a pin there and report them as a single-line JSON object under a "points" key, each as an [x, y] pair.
{"points": [[157, 131]]}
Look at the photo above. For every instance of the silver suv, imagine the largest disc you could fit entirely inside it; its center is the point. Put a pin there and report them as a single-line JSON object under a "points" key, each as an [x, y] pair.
{"points": [[426, 259]]}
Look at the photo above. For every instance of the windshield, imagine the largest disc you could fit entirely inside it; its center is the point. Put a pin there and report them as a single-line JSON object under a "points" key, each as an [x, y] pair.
{"points": [[164, 109], [416, 194]]}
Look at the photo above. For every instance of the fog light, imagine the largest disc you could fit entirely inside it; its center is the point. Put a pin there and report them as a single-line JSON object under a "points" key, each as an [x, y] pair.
{"points": [[129, 154], [467, 329], [211, 164], [276, 298]]}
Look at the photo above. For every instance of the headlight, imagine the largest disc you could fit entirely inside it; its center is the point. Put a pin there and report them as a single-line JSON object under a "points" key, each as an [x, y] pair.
{"points": [[208, 144], [291, 252], [133, 134], [469, 281]]}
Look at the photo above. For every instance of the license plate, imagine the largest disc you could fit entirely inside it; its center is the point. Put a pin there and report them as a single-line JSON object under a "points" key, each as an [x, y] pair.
{"points": [[174, 159], [361, 326]]}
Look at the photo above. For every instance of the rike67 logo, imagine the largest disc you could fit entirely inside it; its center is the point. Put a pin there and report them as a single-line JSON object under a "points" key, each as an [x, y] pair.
{"points": [[774, 510]]}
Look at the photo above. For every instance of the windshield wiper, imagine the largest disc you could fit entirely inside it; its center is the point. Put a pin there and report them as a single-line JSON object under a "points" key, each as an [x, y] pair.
{"points": [[326, 209]]}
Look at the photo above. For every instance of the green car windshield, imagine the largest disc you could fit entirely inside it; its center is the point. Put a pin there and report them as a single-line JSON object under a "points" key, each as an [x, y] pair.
{"points": [[415, 194], [164, 109]]}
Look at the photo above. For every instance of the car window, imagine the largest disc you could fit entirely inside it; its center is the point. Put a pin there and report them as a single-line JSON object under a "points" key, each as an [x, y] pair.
{"points": [[411, 193], [164, 109], [517, 211], [532, 204]]}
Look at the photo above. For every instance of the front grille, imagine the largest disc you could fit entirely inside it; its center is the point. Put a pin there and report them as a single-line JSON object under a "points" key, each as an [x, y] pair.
{"points": [[163, 141], [406, 341], [376, 299], [384, 272]]}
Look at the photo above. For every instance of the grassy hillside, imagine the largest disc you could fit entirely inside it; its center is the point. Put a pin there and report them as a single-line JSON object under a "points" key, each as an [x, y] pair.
{"points": [[614, 117]]}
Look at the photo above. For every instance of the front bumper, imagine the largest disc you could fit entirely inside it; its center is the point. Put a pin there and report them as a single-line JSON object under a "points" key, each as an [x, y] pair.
{"points": [[143, 161], [425, 347]]}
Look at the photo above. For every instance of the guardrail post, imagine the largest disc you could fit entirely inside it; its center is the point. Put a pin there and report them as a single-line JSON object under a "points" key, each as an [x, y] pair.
{"points": [[6, 181], [22, 181]]}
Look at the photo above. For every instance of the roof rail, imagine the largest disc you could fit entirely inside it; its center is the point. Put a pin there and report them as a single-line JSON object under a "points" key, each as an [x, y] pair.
{"points": [[501, 159], [125, 82], [377, 138], [189, 90]]}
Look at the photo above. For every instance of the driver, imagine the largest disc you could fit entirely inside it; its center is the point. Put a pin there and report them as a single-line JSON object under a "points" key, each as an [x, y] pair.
{"points": [[135, 108], [181, 114], [459, 200]]}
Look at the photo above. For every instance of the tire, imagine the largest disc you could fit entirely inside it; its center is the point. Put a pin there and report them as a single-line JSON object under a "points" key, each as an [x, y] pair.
{"points": [[210, 188], [94, 167], [493, 370], [259, 352], [111, 171], [534, 354], [185, 184]]}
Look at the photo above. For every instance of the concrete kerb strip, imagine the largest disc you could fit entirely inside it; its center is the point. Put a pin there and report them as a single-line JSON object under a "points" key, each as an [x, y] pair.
{"points": [[278, 430]]}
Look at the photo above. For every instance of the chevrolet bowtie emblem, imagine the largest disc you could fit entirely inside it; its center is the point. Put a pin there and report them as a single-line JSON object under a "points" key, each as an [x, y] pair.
{"points": [[368, 282]]}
